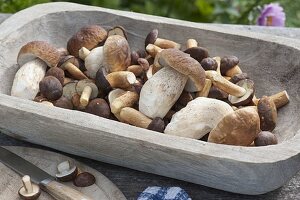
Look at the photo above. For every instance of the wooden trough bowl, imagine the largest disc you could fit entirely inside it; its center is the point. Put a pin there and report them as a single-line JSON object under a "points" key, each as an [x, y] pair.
{"points": [[272, 62]]}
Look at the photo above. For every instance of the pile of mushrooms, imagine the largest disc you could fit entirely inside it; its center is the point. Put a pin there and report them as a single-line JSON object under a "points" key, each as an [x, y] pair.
{"points": [[163, 87]]}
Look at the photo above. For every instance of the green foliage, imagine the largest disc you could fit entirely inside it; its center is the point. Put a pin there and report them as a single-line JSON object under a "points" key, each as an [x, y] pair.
{"points": [[212, 11]]}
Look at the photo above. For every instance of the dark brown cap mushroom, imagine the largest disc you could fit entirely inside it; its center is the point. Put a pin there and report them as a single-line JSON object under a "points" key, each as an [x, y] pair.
{"points": [[88, 90], [209, 64], [265, 138], [64, 102], [88, 37], [29, 190], [66, 172], [84, 179], [117, 30], [51, 88], [101, 82], [227, 63], [134, 57], [267, 113], [248, 85], [67, 63], [142, 53], [152, 38], [198, 53], [57, 73], [38, 49], [98, 107], [217, 93], [238, 77]]}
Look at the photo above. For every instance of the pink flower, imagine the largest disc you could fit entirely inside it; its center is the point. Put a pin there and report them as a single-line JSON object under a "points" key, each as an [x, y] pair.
{"points": [[271, 15]]}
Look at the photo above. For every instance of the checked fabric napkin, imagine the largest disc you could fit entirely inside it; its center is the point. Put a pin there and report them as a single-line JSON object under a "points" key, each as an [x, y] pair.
{"points": [[164, 193]]}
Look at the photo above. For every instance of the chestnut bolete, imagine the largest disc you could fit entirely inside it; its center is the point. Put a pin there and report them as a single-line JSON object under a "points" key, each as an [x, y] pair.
{"points": [[227, 63], [51, 88], [67, 63], [209, 64], [238, 77], [198, 118], [98, 107], [267, 113], [57, 73], [64, 102], [87, 89], [84, 179], [152, 38], [117, 30], [69, 90], [240, 127], [265, 138], [88, 37]]}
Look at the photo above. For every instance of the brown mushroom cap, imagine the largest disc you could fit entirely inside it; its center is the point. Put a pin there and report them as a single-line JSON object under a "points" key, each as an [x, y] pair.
{"points": [[98, 107], [38, 49], [151, 37], [198, 53], [65, 59], [87, 82], [51, 88], [102, 83], [69, 90], [88, 37], [117, 30], [240, 127], [227, 63], [267, 113], [209, 64], [217, 93], [64, 102], [157, 124], [84, 179], [57, 73], [184, 64], [134, 57], [238, 77], [116, 53], [265, 138], [247, 97]]}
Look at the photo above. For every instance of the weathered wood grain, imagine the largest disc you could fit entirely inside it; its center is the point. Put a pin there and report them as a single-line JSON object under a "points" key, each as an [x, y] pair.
{"points": [[236, 169]]}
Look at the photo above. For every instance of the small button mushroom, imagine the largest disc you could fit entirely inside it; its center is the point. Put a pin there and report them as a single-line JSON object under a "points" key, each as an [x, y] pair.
{"points": [[98, 107], [64, 102], [227, 63], [198, 118], [248, 85], [89, 37], [265, 138], [209, 64], [238, 77], [66, 172], [152, 38], [117, 30], [116, 54], [153, 50], [51, 88], [280, 99], [198, 53], [87, 89], [29, 190], [57, 73], [217, 93], [240, 127], [267, 113], [84, 179], [136, 118], [67, 63], [94, 61]]}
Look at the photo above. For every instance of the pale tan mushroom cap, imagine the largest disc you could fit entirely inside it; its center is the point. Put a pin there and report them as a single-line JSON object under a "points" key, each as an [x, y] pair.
{"points": [[38, 49], [184, 64], [237, 128]]}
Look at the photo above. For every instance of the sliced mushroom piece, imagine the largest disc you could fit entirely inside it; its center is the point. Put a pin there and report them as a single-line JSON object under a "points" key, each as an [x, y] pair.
{"points": [[152, 38], [227, 63], [117, 30], [198, 118], [240, 128], [238, 77], [136, 118], [67, 63], [267, 113], [38, 49], [51, 88], [116, 54], [27, 78], [88, 90], [29, 190], [209, 64], [115, 94], [265, 138], [66, 172], [89, 37], [64, 102], [57, 73], [84, 179], [248, 85], [98, 107], [94, 61]]}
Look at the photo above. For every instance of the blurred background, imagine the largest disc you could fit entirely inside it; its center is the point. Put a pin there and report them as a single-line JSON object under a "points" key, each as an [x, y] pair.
{"points": [[208, 11]]}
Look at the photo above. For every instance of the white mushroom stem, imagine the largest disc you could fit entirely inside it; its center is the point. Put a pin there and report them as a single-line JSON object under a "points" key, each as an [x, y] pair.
{"points": [[134, 117], [74, 71], [280, 99], [191, 43], [121, 79], [83, 53], [153, 50], [85, 96], [205, 91], [27, 184], [166, 44], [220, 82], [94, 61], [218, 60], [233, 71]]}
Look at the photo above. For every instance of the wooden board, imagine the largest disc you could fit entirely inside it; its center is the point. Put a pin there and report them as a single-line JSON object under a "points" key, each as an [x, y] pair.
{"points": [[10, 182], [272, 62]]}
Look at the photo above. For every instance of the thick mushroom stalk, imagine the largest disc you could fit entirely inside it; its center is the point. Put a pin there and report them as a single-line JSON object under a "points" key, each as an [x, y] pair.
{"points": [[67, 63], [27, 79], [94, 61], [198, 118], [88, 90], [152, 38]]}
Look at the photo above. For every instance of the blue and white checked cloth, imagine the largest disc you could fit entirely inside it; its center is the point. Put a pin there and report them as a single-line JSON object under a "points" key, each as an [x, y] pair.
{"points": [[164, 193]]}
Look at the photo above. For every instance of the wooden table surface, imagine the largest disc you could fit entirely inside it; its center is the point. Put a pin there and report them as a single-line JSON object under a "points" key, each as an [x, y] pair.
{"points": [[132, 182]]}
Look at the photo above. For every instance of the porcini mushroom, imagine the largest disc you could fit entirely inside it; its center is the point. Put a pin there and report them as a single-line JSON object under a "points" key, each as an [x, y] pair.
{"points": [[248, 85], [116, 54], [64, 102], [84, 179], [89, 37], [152, 38], [29, 190], [228, 62], [126, 99], [57, 73], [267, 113], [198, 118], [87, 89], [240, 127], [94, 61], [280, 99], [209, 64], [198, 53], [67, 63], [265, 138], [66, 172], [98, 107], [69, 90], [51, 88], [136, 118], [238, 77], [117, 30]]}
